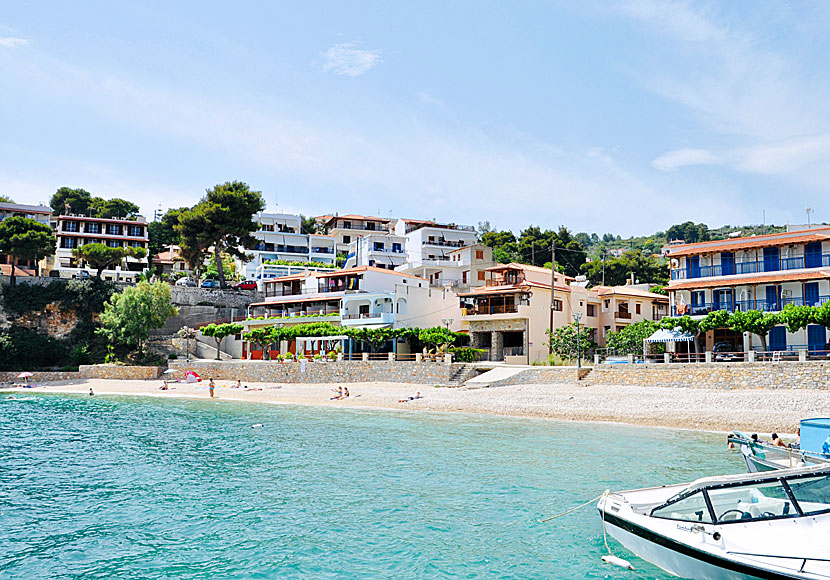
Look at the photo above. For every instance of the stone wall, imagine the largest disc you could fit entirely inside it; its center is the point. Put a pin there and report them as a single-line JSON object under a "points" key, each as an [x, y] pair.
{"points": [[766, 375], [119, 372], [429, 373], [38, 378], [239, 299]]}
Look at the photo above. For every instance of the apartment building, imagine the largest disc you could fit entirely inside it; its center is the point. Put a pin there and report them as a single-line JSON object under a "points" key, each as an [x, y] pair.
{"points": [[74, 231], [280, 238], [379, 249], [348, 228], [40, 213], [429, 244], [461, 269], [364, 296], [762, 273]]}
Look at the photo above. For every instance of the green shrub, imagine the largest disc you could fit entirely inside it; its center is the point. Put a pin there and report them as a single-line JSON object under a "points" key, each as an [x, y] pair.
{"points": [[172, 356], [318, 356], [25, 349], [466, 353], [332, 355]]}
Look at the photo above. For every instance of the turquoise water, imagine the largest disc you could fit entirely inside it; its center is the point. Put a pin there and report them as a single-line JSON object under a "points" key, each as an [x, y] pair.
{"points": [[140, 488]]}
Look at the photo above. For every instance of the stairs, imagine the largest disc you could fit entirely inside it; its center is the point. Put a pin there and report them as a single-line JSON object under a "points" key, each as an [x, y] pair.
{"points": [[461, 373]]}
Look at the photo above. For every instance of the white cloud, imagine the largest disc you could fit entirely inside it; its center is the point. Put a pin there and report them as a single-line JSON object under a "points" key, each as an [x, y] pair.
{"points": [[12, 41], [345, 59], [672, 160]]}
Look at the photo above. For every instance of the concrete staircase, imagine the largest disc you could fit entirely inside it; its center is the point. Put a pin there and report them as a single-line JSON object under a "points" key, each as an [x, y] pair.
{"points": [[461, 373], [496, 375]]}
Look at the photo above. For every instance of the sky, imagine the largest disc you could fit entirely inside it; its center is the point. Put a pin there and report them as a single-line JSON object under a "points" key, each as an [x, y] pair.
{"points": [[623, 117]]}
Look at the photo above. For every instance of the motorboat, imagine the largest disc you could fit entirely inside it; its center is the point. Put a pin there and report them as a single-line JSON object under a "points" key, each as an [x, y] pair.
{"points": [[766, 525], [814, 448]]}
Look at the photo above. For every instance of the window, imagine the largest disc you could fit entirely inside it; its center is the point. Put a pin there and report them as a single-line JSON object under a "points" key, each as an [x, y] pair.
{"points": [[136, 231], [396, 247], [347, 225], [758, 501], [114, 243], [592, 310], [68, 242], [607, 304], [811, 493], [93, 228], [481, 275], [479, 254], [114, 230], [464, 277], [70, 226], [637, 308], [378, 246], [557, 305], [347, 239], [689, 509]]}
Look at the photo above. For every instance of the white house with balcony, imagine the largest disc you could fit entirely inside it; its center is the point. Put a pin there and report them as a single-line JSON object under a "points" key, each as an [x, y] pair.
{"points": [[280, 239], [429, 244], [348, 228], [357, 297], [753, 273], [381, 250]]}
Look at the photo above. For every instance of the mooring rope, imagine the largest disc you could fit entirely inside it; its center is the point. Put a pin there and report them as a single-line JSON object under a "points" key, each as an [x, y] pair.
{"points": [[572, 509]]}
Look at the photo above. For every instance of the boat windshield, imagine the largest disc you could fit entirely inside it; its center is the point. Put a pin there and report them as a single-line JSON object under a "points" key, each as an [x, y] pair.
{"points": [[691, 508], [757, 501], [812, 494]]}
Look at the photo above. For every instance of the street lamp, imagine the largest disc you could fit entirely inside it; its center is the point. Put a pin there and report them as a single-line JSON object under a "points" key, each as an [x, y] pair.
{"points": [[446, 322], [577, 317]]}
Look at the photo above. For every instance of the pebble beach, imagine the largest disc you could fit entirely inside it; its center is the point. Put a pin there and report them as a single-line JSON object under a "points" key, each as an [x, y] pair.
{"points": [[762, 411]]}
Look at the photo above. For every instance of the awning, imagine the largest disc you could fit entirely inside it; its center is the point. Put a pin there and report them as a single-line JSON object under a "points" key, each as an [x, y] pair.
{"points": [[665, 335]]}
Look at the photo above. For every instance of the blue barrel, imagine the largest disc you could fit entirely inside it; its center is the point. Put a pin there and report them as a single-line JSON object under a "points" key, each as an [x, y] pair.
{"points": [[815, 435]]}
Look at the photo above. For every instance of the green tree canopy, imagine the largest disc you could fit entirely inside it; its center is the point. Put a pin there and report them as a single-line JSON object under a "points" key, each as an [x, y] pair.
{"points": [[112, 208], [689, 232], [219, 331], [129, 316], [754, 322], [223, 219], [564, 340], [629, 339], [797, 317], [6, 199], [646, 269], [25, 239], [68, 200], [102, 257], [163, 232]]}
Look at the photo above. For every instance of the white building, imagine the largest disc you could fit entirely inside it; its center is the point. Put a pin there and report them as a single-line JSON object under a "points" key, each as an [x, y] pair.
{"points": [[280, 239], [429, 245], [358, 297], [347, 228], [74, 231], [382, 250], [40, 213]]}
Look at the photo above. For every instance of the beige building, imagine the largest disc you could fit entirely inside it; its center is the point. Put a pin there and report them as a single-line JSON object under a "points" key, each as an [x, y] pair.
{"points": [[624, 305]]}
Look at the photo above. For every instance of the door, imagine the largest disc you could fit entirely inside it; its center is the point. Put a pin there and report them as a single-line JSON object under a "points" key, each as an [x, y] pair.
{"points": [[771, 260], [816, 337], [693, 267], [811, 294], [727, 263], [812, 255], [778, 338], [773, 294]]}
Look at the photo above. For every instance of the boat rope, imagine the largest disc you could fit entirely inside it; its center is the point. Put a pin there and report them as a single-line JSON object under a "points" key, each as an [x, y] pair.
{"points": [[572, 509]]}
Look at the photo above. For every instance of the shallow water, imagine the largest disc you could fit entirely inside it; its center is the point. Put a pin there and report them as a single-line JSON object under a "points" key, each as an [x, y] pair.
{"points": [[119, 487]]}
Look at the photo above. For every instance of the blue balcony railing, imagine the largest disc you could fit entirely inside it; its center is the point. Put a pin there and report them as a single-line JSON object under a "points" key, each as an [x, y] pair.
{"points": [[761, 304], [752, 267]]}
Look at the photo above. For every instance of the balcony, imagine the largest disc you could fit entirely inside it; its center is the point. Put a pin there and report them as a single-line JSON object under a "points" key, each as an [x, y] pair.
{"points": [[753, 267], [762, 305], [445, 243], [622, 315], [368, 318], [322, 250], [508, 280], [484, 309]]}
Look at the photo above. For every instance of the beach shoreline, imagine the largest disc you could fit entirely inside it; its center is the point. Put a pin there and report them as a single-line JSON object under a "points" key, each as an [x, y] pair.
{"points": [[714, 410]]}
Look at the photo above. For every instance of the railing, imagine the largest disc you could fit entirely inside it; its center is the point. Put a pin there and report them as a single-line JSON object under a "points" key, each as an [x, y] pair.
{"points": [[363, 315], [322, 250], [282, 292], [505, 281], [623, 315], [514, 351], [761, 304], [445, 243], [752, 267], [492, 309], [388, 250]]}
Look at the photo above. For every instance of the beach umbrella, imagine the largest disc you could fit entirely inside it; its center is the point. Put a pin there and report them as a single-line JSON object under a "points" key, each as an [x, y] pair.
{"points": [[25, 375], [191, 377], [168, 371]]}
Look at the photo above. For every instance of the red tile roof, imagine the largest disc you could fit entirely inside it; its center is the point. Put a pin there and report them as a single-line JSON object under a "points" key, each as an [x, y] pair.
{"points": [[752, 242], [6, 270]]}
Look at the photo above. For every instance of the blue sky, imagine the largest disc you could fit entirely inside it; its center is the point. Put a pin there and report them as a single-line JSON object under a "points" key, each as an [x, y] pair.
{"points": [[621, 117]]}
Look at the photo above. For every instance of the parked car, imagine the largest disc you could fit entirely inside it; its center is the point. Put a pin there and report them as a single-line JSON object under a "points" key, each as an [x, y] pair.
{"points": [[186, 281], [210, 283], [245, 285], [725, 352]]}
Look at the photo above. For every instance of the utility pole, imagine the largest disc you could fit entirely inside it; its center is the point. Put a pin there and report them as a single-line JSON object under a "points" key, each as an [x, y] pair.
{"points": [[603, 267], [533, 252], [552, 292]]}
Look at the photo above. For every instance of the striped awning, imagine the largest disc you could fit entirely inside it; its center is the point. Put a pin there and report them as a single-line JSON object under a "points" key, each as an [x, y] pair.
{"points": [[665, 335]]}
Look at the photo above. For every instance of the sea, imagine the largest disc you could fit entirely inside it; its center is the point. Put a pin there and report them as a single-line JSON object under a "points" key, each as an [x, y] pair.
{"points": [[131, 487]]}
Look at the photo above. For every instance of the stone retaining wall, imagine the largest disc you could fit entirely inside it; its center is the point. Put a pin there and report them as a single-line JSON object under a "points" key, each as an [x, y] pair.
{"points": [[429, 373], [782, 375], [120, 372], [239, 299], [38, 378]]}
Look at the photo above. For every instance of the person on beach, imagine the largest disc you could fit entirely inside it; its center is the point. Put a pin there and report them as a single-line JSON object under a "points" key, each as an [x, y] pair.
{"points": [[776, 441], [211, 387], [90, 392], [338, 394], [238, 384], [164, 387], [417, 396], [345, 392]]}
